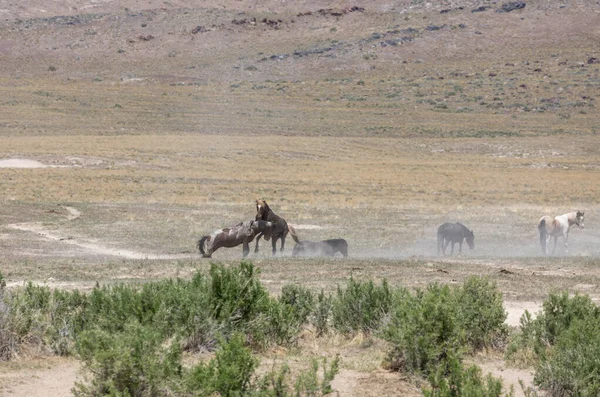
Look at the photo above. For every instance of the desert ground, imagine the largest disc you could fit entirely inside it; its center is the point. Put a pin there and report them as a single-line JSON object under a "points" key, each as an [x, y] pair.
{"points": [[130, 129]]}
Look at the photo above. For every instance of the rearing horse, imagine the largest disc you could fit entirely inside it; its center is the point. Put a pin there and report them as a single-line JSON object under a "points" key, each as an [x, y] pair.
{"points": [[559, 226], [280, 227]]}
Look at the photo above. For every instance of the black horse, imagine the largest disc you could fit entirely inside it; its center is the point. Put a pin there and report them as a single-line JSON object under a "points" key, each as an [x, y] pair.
{"points": [[321, 248], [453, 233]]}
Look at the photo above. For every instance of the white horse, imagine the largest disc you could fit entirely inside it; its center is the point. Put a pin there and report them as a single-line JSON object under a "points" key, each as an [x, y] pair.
{"points": [[559, 226]]}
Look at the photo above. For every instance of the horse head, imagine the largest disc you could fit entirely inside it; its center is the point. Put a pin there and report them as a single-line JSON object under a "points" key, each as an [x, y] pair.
{"points": [[262, 210], [579, 219], [471, 239]]}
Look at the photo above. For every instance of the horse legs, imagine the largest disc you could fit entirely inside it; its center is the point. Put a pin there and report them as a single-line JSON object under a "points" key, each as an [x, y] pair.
{"points": [[452, 250], [257, 238], [283, 236], [555, 241], [460, 247], [246, 250], [446, 246], [274, 242], [566, 241]]}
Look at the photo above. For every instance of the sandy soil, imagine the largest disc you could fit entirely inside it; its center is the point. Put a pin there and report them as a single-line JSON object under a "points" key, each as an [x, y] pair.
{"points": [[40, 378]]}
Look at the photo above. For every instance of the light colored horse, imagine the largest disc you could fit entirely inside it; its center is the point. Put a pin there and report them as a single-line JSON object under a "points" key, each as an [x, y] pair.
{"points": [[559, 226]]}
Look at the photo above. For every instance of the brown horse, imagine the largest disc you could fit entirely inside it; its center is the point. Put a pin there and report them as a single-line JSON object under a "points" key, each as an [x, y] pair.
{"points": [[559, 226], [242, 233], [321, 248], [280, 227]]}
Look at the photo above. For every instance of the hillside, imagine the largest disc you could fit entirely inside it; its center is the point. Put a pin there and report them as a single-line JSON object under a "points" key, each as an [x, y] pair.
{"points": [[406, 68]]}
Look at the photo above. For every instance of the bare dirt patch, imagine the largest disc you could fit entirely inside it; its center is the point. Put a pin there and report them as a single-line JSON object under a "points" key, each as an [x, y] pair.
{"points": [[510, 376], [50, 376], [21, 163], [515, 310]]}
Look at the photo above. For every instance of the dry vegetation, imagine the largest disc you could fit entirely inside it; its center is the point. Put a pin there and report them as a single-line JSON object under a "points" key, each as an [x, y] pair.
{"points": [[161, 123]]}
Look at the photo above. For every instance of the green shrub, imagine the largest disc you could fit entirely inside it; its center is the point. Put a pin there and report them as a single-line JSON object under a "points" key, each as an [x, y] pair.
{"points": [[288, 314], [564, 340], [228, 374], [25, 318], [129, 363], [361, 306], [423, 330], [185, 311], [136, 363], [8, 342], [558, 313], [572, 367], [321, 313], [440, 322], [453, 380], [480, 313], [300, 299], [237, 296], [308, 383]]}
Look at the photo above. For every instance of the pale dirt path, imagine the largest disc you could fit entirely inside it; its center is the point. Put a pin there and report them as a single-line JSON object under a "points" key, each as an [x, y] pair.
{"points": [[54, 376], [88, 245]]}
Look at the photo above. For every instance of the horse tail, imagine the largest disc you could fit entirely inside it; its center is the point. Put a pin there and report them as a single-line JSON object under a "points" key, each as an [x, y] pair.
{"points": [[200, 245], [293, 233], [543, 235]]}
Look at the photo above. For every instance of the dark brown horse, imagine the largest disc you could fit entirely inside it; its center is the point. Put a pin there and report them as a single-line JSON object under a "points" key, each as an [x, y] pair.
{"points": [[280, 227], [454, 233], [242, 233], [321, 248]]}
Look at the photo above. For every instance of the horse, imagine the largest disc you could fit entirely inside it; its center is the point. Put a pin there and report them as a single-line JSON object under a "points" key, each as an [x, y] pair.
{"points": [[559, 226], [321, 248], [454, 233], [242, 233], [280, 227]]}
